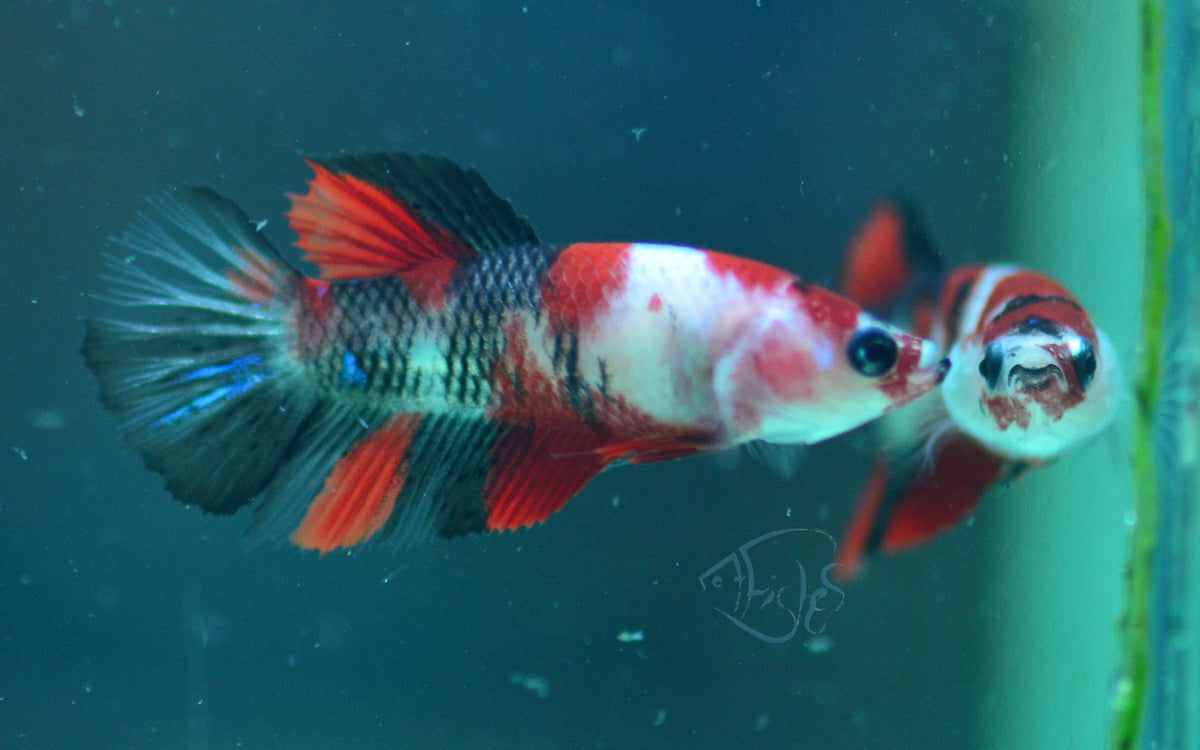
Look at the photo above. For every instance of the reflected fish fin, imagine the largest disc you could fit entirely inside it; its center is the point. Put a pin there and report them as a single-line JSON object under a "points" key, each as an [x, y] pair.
{"points": [[889, 254], [906, 506]]}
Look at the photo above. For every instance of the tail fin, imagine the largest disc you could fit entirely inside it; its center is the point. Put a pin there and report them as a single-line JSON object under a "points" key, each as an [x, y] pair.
{"points": [[198, 368]]}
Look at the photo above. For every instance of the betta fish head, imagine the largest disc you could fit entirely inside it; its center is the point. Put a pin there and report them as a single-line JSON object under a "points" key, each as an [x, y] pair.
{"points": [[809, 365], [1035, 388]]}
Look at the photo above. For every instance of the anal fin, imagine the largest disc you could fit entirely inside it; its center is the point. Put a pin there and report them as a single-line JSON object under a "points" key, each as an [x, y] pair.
{"points": [[902, 509], [361, 491], [537, 470]]}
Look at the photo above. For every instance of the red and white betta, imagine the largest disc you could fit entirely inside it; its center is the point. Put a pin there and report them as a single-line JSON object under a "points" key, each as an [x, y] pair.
{"points": [[1030, 377], [445, 372]]}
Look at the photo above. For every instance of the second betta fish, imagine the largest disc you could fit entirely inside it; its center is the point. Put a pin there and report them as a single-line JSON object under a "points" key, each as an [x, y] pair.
{"points": [[448, 373], [1030, 377]]}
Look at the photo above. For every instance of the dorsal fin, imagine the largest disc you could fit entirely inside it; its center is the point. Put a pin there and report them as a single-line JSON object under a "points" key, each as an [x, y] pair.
{"points": [[890, 252], [352, 229], [394, 214]]}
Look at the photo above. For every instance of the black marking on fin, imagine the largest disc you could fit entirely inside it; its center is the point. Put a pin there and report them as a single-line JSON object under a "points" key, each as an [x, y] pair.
{"points": [[458, 200]]}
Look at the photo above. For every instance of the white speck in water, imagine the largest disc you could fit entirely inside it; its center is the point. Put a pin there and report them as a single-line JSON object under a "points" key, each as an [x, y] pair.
{"points": [[637, 134], [819, 644], [660, 718], [536, 684], [631, 636], [21, 452], [76, 107]]}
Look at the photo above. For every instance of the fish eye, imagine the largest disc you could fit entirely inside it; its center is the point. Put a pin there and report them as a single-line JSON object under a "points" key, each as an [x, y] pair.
{"points": [[873, 352], [1085, 363]]}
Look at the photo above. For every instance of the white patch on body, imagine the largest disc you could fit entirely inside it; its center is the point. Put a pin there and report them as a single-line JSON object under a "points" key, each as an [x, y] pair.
{"points": [[658, 355], [973, 309]]}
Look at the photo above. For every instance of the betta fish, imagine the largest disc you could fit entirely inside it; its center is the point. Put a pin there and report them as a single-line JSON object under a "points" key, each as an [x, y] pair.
{"points": [[1030, 377], [444, 372]]}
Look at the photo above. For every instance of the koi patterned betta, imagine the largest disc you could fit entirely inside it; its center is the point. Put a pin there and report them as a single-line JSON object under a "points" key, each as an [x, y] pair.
{"points": [[1030, 376], [447, 373]]}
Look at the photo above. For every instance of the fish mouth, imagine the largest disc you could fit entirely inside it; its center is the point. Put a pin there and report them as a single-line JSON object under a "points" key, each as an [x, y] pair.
{"points": [[1036, 379], [942, 369]]}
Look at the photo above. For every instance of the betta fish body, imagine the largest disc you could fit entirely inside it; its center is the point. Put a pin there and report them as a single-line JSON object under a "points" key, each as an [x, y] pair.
{"points": [[446, 372]]}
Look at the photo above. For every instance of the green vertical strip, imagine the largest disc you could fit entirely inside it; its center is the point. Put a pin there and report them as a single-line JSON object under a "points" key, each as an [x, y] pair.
{"points": [[1133, 685]]}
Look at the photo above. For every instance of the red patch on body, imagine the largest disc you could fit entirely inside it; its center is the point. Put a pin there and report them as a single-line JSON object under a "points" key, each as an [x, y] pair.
{"points": [[360, 492], [1058, 305], [316, 299], [583, 281], [834, 312], [751, 273], [316, 304], [1007, 411], [656, 303], [787, 369]]}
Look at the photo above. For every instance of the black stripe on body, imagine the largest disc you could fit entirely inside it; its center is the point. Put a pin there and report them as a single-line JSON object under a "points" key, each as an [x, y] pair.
{"points": [[484, 290], [1016, 303]]}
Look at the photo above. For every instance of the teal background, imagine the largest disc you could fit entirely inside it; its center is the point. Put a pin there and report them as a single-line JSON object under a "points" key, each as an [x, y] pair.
{"points": [[130, 621]]}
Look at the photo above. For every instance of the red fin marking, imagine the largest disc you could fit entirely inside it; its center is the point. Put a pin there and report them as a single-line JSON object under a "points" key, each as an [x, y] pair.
{"points": [[649, 450], [583, 281], [255, 282], [890, 519], [536, 472], [360, 492], [352, 229], [963, 471], [856, 543], [877, 268]]}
